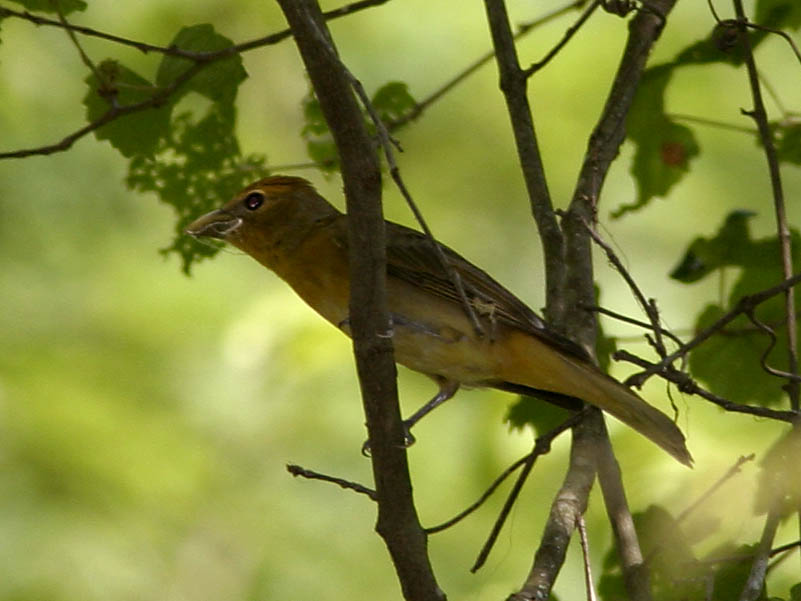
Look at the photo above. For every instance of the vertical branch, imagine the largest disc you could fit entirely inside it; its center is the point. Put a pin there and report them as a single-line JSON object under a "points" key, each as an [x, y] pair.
{"points": [[759, 114], [397, 522], [513, 82], [571, 500], [761, 118], [603, 148]]}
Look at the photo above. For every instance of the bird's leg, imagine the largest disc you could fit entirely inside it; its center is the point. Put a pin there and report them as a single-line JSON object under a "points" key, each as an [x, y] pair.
{"points": [[447, 388]]}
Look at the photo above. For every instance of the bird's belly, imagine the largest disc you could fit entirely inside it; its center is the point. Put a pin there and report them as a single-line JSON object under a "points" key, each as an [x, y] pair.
{"points": [[445, 351]]}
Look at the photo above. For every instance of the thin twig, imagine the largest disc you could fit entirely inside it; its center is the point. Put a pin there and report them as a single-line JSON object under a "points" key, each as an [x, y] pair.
{"points": [[71, 34], [746, 303], [711, 123], [174, 50], [759, 115], [746, 556], [387, 142], [730, 473], [585, 554], [632, 321], [200, 60], [480, 501], [522, 30], [297, 470], [689, 386], [571, 31], [649, 307], [763, 360], [541, 446]]}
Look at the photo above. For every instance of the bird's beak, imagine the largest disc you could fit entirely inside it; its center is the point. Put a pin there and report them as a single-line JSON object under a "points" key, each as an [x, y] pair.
{"points": [[217, 224]]}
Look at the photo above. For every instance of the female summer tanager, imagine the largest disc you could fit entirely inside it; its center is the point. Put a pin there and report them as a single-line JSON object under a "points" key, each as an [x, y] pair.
{"points": [[285, 225]]}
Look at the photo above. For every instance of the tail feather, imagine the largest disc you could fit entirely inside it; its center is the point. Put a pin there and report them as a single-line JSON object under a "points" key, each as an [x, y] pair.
{"points": [[610, 395], [572, 377], [625, 405]]}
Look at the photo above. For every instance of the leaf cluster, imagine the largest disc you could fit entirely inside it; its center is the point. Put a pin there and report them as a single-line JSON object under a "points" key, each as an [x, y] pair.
{"points": [[183, 148]]}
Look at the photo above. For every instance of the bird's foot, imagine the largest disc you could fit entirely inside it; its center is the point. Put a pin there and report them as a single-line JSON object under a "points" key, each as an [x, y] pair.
{"points": [[408, 439]]}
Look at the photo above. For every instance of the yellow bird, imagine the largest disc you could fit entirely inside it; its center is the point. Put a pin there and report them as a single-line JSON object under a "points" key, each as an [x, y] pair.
{"points": [[283, 223]]}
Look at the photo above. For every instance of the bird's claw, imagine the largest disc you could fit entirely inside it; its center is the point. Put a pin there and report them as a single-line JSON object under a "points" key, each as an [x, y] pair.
{"points": [[408, 440]]}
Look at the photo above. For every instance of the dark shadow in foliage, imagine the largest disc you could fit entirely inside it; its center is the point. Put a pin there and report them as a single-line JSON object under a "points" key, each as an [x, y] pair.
{"points": [[730, 362]]}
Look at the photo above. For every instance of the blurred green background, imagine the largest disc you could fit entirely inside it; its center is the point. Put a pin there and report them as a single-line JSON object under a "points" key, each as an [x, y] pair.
{"points": [[146, 417]]}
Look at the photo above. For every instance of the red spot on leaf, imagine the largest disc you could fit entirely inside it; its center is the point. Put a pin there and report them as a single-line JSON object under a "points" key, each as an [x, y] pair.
{"points": [[673, 154]]}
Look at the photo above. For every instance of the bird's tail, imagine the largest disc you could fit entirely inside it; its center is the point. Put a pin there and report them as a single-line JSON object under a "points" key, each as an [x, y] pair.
{"points": [[533, 363], [621, 402]]}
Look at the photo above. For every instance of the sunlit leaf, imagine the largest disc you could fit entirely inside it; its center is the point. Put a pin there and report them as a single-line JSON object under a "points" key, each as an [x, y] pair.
{"points": [[196, 169]]}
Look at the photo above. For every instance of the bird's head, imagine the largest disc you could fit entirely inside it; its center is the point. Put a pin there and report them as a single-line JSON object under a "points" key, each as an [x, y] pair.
{"points": [[273, 210]]}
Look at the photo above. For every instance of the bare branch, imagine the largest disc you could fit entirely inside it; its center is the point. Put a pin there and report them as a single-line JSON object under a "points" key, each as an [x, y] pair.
{"points": [[571, 31], [513, 82], [297, 470], [761, 118], [689, 386], [756, 578], [200, 60], [745, 304], [398, 522], [541, 447], [585, 554], [144, 47]]}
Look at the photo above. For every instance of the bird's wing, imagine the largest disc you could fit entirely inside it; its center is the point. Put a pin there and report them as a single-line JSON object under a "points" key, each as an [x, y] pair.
{"points": [[411, 257]]}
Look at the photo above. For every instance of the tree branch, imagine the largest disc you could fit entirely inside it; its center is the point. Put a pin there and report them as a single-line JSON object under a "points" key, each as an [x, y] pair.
{"points": [[398, 522], [744, 305], [604, 145], [513, 82], [200, 60]]}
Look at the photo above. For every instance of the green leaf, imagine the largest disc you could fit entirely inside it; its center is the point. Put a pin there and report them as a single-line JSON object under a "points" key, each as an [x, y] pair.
{"points": [[48, 6], [795, 592], [219, 80], [730, 361], [730, 246], [731, 576], [663, 148], [675, 573], [778, 14], [319, 142], [134, 134], [393, 100], [540, 415], [194, 170], [787, 137]]}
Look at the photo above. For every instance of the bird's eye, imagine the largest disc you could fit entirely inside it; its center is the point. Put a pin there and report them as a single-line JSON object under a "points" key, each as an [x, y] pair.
{"points": [[254, 200]]}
